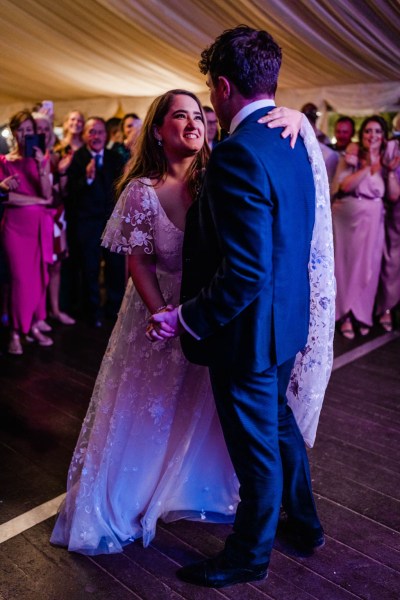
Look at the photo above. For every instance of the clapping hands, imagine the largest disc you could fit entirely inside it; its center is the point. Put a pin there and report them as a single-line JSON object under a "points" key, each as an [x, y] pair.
{"points": [[91, 169], [64, 163]]}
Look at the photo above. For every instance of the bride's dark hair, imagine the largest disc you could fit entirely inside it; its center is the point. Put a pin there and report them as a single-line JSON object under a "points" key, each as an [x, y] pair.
{"points": [[149, 158]]}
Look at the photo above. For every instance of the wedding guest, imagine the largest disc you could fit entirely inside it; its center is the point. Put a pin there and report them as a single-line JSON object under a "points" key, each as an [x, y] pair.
{"points": [[212, 126], [131, 125], [312, 114], [90, 200], [389, 285], [114, 133], [72, 141], [44, 126], [344, 131], [27, 233], [330, 157], [358, 226]]}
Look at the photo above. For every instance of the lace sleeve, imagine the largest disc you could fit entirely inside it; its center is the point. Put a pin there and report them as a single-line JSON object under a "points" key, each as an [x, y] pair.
{"points": [[130, 229], [312, 368]]}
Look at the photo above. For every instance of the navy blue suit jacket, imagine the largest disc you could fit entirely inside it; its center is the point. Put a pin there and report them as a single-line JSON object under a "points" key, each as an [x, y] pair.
{"points": [[245, 284], [95, 201]]}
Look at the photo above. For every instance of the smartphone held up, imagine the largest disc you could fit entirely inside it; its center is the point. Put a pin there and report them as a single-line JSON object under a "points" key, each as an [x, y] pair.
{"points": [[36, 140]]}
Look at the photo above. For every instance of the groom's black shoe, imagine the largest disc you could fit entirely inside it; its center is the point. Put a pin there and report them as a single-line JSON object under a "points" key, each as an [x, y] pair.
{"points": [[219, 572], [304, 541]]}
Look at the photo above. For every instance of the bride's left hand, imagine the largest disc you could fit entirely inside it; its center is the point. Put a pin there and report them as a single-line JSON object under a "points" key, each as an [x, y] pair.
{"points": [[288, 118]]}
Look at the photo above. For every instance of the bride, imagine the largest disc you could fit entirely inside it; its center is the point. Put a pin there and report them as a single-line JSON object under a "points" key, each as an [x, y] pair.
{"points": [[151, 445]]}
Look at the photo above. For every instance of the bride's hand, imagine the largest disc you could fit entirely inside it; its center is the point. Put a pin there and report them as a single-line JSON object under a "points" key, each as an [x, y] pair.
{"points": [[288, 118], [158, 329]]}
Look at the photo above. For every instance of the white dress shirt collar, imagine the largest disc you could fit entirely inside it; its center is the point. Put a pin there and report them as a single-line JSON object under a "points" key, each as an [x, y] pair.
{"points": [[247, 110], [100, 153]]}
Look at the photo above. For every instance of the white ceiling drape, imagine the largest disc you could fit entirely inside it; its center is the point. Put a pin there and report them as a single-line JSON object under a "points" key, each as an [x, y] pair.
{"points": [[109, 55]]}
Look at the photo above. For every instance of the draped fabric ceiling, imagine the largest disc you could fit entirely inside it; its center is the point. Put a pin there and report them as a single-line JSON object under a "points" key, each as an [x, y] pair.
{"points": [[109, 56]]}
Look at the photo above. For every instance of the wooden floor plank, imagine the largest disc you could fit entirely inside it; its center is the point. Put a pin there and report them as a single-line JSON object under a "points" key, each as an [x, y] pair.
{"points": [[42, 572], [333, 455], [360, 533], [359, 498], [24, 485], [355, 469], [361, 432]]}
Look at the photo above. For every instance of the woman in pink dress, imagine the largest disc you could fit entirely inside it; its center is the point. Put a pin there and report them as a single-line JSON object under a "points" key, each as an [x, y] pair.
{"points": [[27, 233], [358, 227]]}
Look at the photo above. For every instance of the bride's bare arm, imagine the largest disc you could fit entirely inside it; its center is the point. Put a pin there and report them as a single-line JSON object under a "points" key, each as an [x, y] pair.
{"points": [[142, 269], [288, 118]]}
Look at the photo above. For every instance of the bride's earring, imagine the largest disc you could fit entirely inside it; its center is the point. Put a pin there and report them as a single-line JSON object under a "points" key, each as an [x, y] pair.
{"points": [[156, 134]]}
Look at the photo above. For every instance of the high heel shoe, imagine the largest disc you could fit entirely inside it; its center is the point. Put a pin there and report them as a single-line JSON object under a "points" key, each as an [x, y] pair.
{"points": [[386, 321], [364, 330], [36, 335], [43, 326], [346, 329], [63, 318]]}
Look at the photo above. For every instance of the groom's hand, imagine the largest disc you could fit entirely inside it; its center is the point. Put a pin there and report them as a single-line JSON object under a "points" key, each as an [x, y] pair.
{"points": [[164, 325]]}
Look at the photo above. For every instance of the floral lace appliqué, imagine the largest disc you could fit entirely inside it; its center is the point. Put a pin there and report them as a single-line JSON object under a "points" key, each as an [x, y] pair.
{"points": [[130, 227], [312, 368]]}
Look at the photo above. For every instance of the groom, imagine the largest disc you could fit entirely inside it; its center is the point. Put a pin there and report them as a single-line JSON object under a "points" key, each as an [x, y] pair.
{"points": [[245, 303]]}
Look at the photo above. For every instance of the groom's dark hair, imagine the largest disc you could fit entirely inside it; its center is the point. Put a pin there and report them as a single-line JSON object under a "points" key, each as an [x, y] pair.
{"points": [[249, 58]]}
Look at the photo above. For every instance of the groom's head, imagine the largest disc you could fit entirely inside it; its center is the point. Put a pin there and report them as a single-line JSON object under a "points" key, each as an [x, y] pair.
{"points": [[242, 65]]}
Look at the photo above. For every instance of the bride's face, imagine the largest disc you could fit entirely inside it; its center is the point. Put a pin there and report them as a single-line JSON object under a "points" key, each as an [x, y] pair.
{"points": [[182, 132]]}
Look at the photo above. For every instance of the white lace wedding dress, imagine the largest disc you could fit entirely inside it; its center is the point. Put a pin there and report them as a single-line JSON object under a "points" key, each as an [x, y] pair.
{"points": [[151, 445]]}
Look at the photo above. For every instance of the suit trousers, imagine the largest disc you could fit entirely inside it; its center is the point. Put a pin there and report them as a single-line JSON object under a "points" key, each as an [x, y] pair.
{"points": [[269, 456], [89, 254]]}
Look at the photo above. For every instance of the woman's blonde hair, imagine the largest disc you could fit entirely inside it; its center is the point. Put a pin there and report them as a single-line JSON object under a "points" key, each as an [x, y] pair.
{"points": [[66, 119], [149, 158]]}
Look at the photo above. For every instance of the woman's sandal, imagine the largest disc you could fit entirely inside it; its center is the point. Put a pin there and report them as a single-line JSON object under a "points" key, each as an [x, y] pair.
{"points": [[36, 335], [14, 346], [63, 318], [386, 321], [346, 329], [364, 330], [43, 326]]}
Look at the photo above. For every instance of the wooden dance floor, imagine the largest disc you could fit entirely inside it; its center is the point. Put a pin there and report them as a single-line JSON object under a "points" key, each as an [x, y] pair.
{"points": [[355, 467]]}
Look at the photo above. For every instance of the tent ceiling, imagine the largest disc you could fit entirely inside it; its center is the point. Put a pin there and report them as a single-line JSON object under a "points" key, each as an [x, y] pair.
{"points": [[83, 49]]}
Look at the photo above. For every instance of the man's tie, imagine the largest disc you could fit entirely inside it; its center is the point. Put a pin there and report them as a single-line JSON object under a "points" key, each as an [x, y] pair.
{"points": [[98, 161]]}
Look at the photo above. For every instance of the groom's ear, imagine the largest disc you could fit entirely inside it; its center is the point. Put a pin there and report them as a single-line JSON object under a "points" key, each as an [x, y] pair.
{"points": [[224, 87]]}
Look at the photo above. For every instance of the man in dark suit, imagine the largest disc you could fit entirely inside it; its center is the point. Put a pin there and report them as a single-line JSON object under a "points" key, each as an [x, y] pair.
{"points": [[245, 303], [91, 178]]}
